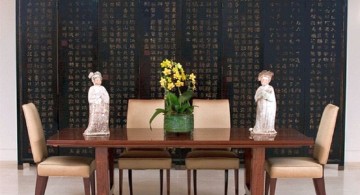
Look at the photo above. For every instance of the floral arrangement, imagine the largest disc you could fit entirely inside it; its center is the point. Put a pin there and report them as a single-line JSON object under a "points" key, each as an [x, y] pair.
{"points": [[179, 89]]}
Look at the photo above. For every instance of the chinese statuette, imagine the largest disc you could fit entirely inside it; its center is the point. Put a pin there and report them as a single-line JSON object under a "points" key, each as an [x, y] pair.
{"points": [[99, 100], [266, 105]]}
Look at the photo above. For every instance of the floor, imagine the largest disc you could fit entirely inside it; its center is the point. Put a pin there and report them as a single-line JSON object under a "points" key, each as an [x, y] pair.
{"points": [[14, 181]]}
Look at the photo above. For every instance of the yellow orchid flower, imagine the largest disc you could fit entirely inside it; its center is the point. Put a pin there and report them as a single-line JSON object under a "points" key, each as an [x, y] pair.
{"points": [[179, 66], [177, 76], [183, 76], [179, 83], [170, 86], [166, 71], [165, 64], [162, 82], [175, 70], [192, 77]]}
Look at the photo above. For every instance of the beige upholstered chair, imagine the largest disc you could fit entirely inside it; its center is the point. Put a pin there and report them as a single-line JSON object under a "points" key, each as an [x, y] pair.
{"points": [[306, 167], [138, 115], [212, 114], [54, 165]]}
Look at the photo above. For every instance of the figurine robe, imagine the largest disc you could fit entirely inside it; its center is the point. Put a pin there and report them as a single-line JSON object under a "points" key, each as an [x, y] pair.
{"points": [[265, 110], [98, 111]]}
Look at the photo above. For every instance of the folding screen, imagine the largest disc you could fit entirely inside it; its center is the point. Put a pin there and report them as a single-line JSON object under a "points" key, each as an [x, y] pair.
{"points": [[225, 43]]}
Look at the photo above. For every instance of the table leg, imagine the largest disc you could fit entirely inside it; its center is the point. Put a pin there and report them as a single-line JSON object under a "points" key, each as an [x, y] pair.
{"points": [[111, 166], [254, 171], [102, 171], [247, 172]]}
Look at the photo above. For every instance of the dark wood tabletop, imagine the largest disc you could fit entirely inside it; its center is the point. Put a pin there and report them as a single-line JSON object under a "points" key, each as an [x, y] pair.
{"points": [[217, 137]]}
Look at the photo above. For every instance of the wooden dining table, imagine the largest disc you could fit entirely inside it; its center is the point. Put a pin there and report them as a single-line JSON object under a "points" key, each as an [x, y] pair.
{"points": [[254, 147]]}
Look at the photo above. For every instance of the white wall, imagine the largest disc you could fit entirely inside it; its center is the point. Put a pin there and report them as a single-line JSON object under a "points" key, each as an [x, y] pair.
{"points": [[8, 121], [352, 134]]}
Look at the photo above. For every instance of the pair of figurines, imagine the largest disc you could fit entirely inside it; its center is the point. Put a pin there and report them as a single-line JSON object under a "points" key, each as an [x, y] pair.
{"points": [[265, 107], [99, 101]]}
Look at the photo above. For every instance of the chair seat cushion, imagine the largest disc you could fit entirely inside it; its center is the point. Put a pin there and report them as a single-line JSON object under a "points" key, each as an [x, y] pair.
{"points": [[293, 167], [212, 159], [145, 159], [66, 166]]}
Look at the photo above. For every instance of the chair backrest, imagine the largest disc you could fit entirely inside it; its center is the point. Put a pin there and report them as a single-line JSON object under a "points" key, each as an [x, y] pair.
{"points": [[325, 133], [211, 113], [35, 132], [140, 111]]}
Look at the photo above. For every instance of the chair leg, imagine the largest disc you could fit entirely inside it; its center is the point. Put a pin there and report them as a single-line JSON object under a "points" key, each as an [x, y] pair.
{"points": [[92, 183], [272, 183], [161, 181], [189, 181], [236, 175], [226, 181], [120, 181], [195, 181], [87, 185], [130, 181], [319, 185], [41, 182], [267, 183], [168, 181]]}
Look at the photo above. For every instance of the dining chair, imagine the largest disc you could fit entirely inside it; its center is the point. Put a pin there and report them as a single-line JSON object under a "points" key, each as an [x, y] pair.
{"points": [[138, 115], [54, 165], [212, 114], [306, 167]]}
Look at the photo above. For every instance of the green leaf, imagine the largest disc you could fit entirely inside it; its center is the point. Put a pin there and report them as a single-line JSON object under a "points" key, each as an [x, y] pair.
{"points": [[185, 108], [172, 99], [177, 108], [157, 112], [186, 96], [178, 105]]}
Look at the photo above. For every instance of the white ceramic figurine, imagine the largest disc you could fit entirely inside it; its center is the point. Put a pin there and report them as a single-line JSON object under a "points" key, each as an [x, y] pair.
{"points": [[99, 101], [266, 105]]}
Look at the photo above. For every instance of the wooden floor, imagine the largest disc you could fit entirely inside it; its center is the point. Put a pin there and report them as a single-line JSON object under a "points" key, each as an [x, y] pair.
{"points": [[22, 182]]}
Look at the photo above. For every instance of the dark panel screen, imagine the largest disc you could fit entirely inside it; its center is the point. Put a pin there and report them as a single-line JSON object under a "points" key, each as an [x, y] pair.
{"points": [[225, 43]]}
